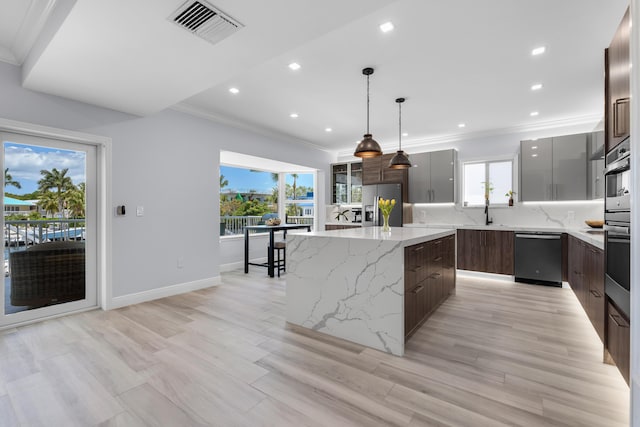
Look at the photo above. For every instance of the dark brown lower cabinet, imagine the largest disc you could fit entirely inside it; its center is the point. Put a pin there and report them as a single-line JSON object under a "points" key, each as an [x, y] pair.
{"points": [[429, 279], [328, 227], [618, 340], [488, 251], [586, 277]]}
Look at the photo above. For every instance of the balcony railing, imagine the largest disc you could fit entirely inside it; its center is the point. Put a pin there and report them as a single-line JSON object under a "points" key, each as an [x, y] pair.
{"points": [[234, 225], [27, 232]]}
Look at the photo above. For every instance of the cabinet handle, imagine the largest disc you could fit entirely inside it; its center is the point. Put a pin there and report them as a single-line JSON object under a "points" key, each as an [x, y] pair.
{"points": [[418, 289], [619, 124], [438, 259], [595, 293], [434, 275], [437, 242], [419, 248], [615, 318], [433, 193], [420, 267]]}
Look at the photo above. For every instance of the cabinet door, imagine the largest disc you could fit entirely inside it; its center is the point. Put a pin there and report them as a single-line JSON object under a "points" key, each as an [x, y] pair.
{"points": [[570, 167], [420, 178], [339, 183], [470, 250], [618, 339], [371, 170], [356, 182], [392, 176], [449, 264], [435, 292], [410, 311], [442, 176], [595, 166], [595, 260], [498, 252], [618, 93], [536, 170]]}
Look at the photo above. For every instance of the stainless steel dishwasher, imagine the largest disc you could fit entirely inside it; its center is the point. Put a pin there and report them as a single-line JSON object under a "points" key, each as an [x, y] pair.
{"points": [[538, 258]]}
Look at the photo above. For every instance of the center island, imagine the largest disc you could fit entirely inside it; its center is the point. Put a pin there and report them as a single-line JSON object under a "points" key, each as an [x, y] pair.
{"points": [[367, 286]]}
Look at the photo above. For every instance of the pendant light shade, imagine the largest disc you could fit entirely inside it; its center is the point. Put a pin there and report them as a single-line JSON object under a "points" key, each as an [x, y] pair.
{"points": [[368, 147], [401, 159]]}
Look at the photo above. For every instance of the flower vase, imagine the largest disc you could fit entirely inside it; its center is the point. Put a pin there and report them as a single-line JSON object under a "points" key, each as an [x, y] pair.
{"points": [[510, 201], [385, 224]]}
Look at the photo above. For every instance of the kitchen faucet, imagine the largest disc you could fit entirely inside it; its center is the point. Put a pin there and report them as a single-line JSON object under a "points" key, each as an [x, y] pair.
{"points": [[487, 221]]}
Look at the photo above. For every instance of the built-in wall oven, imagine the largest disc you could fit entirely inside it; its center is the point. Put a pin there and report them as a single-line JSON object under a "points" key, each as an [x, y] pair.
{"points": [[618, 227]]}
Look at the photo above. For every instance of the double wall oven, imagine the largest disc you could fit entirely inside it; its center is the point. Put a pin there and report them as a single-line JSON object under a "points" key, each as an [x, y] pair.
{"points": [[617, 218]]}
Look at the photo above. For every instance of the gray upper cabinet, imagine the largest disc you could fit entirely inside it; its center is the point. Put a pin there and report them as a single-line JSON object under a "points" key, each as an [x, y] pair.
{"points": [[536, 165], [595, 167], [432, 179], [554, 168]]}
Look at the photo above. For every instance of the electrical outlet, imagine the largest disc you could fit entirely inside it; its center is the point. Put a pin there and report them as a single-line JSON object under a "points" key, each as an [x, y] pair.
{"points": [[139, 210], [180, 262]]}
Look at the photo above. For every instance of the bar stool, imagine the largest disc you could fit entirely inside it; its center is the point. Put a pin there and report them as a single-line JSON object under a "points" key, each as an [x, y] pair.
{"points": [[280, 263]]}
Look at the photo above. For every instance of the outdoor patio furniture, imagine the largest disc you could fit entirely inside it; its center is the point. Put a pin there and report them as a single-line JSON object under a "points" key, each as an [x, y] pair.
{"points": [[48, 273]]}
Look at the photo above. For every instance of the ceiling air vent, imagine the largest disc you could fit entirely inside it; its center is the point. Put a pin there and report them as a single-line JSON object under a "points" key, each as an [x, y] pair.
{"points": [[204, 20]]}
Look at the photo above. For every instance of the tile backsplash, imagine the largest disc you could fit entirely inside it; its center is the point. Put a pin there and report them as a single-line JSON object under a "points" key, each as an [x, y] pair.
{"points": [[558, 214]]}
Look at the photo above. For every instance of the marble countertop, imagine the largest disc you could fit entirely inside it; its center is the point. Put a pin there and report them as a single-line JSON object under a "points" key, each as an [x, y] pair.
{"points": [[594, 237], [406, 235]]}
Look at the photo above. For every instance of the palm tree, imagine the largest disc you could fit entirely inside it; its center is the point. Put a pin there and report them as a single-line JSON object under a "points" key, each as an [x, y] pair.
{"points": [[48, 202], [75, 201], [57, 180], [295, 177], [8, 180], [223, 182]]}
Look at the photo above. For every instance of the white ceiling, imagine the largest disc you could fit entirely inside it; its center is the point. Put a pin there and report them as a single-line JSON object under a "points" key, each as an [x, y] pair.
{"points": [[456, 61]]}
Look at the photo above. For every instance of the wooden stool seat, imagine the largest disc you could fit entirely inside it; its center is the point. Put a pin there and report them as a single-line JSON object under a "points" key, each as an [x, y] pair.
{"points": [[280, 263]]}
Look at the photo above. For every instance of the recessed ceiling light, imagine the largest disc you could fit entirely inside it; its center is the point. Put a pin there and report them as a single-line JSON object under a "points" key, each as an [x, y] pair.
{"points": [[534, 113], [328, 129], [293, 115], [538, 50], [234, 90], [534, 155], [405, 134], [535, 147], [461, 125], [536, 86], [294, 66], [386, 27]]}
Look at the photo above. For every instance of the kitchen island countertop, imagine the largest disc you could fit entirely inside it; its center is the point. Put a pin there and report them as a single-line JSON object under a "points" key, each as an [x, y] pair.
{"points": [[351, 283]]}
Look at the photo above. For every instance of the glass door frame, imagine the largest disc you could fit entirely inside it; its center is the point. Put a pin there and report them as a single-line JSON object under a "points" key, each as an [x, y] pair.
{"points": [[98, 211]]}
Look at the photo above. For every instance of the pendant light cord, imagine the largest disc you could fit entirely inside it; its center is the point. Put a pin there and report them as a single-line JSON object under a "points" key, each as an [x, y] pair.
{"points": [[399, 126], [367, 103]]}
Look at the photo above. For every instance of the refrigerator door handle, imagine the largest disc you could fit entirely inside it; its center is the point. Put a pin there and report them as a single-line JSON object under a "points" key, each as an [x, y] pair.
{"points": [[375, 211]]}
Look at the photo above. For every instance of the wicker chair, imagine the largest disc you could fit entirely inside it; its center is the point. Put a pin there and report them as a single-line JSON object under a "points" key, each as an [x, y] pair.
{"points": [[49, 273]]}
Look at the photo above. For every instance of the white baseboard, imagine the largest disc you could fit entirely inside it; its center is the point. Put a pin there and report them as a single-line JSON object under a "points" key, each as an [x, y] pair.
{"points": [[167, 291], [237, 265]]}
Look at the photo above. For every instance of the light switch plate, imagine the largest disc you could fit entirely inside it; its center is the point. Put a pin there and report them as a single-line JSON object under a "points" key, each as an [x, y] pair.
{"points": [[139, 210]]}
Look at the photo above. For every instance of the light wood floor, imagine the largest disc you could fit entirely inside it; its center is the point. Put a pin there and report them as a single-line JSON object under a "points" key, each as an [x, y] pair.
{"points": [[495, 354]]}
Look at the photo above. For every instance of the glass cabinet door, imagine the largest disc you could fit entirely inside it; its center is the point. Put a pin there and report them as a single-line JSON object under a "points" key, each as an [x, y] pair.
{"points": [[356, 182], [339, 183]]}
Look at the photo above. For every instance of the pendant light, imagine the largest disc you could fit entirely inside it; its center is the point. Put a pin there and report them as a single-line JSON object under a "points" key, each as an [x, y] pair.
{"points": [[401, 159], [368, 147]]}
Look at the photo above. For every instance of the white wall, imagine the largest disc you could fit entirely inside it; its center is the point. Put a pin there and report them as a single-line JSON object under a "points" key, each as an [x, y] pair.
{"points": [[167, 163]]}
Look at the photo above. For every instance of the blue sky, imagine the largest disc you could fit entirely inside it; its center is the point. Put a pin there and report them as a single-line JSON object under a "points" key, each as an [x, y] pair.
{"points": [[26, 161], [242, 180]]}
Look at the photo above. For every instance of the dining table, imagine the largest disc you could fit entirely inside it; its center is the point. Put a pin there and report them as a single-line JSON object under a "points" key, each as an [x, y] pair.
{"points": [[271, 229]]}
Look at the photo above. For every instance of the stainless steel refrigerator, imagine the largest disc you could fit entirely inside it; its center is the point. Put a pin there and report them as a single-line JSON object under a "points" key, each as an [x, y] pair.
{"points": [[370, 211]]}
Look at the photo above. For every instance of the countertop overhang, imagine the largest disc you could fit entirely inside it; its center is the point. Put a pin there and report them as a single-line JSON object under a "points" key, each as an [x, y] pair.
{"points": [[406, 235]]}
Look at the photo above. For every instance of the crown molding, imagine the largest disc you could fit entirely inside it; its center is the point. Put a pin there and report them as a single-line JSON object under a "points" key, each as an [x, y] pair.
{"points": [[590, 119], [199, 112]]}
